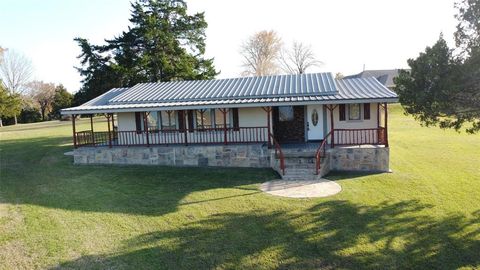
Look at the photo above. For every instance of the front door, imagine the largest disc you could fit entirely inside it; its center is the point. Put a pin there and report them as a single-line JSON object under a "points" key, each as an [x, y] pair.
{"points": [[315, 122]]}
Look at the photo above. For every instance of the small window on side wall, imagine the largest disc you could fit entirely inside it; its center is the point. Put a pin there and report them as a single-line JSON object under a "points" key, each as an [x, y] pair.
{"points": [[353, 111], [285, 113]]}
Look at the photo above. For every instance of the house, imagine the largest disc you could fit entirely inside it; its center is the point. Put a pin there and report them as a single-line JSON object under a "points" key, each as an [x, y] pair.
{"points": [[384, 76], [305, 124]]}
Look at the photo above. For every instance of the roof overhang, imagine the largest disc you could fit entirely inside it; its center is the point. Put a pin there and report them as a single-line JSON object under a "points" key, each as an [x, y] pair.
{"points": [[166, 106]]}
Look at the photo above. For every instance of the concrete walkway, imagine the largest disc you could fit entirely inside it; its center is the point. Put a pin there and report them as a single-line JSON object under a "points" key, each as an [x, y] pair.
{"points": [[301, 188]]}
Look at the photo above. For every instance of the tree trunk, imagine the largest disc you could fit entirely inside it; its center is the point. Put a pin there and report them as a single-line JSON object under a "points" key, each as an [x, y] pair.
{"points": [[1, 122], [15, 119]]}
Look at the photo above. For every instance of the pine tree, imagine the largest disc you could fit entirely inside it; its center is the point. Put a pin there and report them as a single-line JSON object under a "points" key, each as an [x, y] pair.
{"points": [[164, 43]]}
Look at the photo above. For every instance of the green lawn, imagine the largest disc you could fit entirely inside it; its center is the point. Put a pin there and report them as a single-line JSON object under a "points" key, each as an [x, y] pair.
{"points": [[426, 214]]}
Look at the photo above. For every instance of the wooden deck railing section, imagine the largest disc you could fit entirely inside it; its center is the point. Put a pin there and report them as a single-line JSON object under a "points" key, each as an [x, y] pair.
{"points": [[349, 137], [278, 153], [321, 152], [172, 137]]}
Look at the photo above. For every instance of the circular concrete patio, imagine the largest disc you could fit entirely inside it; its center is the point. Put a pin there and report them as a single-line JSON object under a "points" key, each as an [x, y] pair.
{"points": [[301, 188]]}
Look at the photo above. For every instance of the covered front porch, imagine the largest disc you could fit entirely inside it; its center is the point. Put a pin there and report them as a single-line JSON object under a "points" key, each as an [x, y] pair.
{"points": [[270, 125]]}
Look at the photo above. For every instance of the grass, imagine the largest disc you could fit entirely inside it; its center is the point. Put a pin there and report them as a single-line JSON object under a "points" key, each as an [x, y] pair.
{"points": [[54, 215]]}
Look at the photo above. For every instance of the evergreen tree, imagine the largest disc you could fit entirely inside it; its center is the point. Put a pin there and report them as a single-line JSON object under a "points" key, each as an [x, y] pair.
{"points": [[164, 43], [10, 104], [62, 99], [443, 88]]}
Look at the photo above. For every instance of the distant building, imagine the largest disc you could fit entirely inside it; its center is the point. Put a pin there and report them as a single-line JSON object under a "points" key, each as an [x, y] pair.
{"points": [[385, 76]]}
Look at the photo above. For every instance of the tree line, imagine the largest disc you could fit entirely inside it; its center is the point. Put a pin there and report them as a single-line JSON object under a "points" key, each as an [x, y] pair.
{"points": [[163, 43], [24, 100]]}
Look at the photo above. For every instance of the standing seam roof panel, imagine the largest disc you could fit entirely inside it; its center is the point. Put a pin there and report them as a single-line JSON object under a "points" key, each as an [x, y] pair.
{"points": [[303, 84]]}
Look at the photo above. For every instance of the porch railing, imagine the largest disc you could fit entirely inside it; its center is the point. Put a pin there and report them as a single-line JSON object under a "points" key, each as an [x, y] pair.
{"points": [[173, 137], [278, 153], [349, 137], [375, 136]]}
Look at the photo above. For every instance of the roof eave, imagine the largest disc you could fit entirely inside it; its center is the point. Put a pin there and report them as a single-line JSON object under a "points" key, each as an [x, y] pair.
{"points": [[79, 110]]}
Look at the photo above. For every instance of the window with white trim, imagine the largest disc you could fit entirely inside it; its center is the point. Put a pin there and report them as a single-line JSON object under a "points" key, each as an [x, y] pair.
{"points": [[168, 119], [354, 111]]}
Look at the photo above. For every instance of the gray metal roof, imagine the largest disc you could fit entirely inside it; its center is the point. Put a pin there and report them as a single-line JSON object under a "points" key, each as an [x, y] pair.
{"points": [[384, 76], [240, 94], [246, 87], [105, 97]]}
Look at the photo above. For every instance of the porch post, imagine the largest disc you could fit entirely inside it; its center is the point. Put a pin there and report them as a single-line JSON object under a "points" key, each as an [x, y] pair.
{"points": [[224, 112], [145, 125], [74, 132], [91, 129], [109, 132], [386, 124], [332, 126], [268, 110], [378, 115], [185, 125]]}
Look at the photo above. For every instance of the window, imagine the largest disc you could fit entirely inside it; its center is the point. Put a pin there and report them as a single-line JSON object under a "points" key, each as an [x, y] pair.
{"points": [[285, 113], [341, 112], [219, 118], [152, 121], [168, 119], [366, 111], [353, 111], [203, 118]]}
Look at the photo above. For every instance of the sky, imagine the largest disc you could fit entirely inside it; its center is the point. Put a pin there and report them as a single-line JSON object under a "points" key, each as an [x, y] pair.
{"points": [[345, 35]]}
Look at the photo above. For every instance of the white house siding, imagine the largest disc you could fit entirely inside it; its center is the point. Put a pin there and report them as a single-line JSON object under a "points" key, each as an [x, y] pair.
{"points": [[355, 124], [248, 117]]}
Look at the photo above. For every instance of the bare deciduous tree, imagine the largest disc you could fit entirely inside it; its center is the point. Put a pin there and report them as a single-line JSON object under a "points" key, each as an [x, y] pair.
{"points": [[260, 53], [298, 59], [43, 94], [15, 72]]}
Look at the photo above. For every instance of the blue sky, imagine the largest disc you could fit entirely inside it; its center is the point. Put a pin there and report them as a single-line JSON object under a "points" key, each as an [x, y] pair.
{"points": [[344, 34]]}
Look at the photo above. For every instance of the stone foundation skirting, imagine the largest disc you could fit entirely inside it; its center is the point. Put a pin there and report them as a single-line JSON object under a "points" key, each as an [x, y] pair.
{"points": [[368, 158], [251, 155], [364, 158]]}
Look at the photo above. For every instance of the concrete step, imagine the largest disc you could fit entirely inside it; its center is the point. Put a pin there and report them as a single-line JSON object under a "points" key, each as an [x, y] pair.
{"points": [[299, 154]]}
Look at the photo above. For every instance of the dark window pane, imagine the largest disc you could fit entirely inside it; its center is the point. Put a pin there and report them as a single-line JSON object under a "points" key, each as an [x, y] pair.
{"points": [[285, 113]]}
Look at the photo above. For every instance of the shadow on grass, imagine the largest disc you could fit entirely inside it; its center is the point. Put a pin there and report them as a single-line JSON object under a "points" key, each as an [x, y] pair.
{"points": [[330, 235], [35, 171]]}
